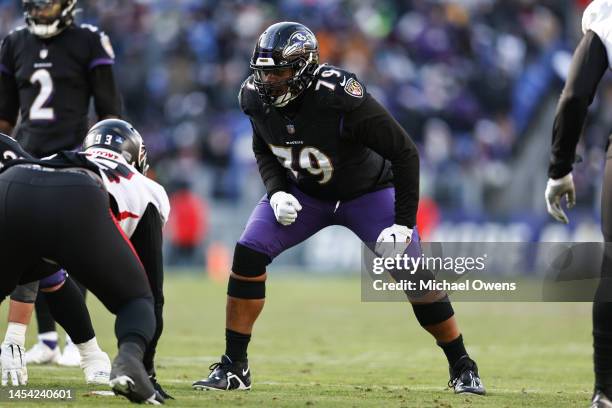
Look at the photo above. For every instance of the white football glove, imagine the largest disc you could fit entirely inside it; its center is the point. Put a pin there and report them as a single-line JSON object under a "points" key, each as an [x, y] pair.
{"points": [[12, 358], [555, 190], [393, 241], [285, 207]]}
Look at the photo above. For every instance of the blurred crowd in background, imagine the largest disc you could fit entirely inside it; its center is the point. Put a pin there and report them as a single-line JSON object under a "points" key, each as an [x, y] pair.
{"points": [[467, 79]]}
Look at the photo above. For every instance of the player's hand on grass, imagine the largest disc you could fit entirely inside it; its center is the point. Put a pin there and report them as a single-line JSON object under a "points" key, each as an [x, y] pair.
{"points": [[393, 241], [557, 189], [12, 358], [285, 207]]}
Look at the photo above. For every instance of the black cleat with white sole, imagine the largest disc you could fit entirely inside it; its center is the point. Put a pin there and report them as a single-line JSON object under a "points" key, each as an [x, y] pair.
{"points": [[157, 386], [225, 376], [465, 378], [600, 400], [130, 379]]}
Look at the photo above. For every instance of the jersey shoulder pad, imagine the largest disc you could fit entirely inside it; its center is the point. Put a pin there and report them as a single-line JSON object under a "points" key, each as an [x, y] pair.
{"points": [[90, 28], [249, 100], [19, 30], [338, 89], [10, 150], [159, 198], [14, 34], [98, 36], [597, 17]]}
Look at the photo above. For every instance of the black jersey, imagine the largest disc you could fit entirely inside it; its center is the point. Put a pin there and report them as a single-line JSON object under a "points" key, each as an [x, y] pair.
{"points": [[50, 81], [335, 142], [150, 200], [11, 154]]}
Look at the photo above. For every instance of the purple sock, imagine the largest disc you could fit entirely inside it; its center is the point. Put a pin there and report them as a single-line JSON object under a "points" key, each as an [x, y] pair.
{"points": [[50, 343], [49, 338]]}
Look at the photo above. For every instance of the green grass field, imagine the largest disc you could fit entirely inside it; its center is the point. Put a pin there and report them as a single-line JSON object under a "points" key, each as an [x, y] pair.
{"points": [[316, 344]]}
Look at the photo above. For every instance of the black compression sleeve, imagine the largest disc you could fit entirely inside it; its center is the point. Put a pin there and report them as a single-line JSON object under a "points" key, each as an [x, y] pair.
{"points": [[106, 95], [374, 127], [270, 169], [9, 102], [147, 241], [589, 64]]}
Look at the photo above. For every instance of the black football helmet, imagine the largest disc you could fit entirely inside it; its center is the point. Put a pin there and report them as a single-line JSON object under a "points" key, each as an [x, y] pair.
{"points": [[284, 61], [46, 18], [121, 137]]}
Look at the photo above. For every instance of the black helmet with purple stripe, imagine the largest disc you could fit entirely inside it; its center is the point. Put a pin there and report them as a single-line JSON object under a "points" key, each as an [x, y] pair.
{"points": [[283, 62]]}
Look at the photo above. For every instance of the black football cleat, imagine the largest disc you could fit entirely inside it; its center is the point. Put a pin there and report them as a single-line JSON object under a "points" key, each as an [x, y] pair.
{"points": [[600, 400], [225, 376], [157, 386], [464, 377], [130, 379]]}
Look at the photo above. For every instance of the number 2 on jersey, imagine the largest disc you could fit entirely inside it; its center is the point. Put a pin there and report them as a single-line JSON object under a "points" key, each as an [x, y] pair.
{"points": [[38, 111], [309, 158]]}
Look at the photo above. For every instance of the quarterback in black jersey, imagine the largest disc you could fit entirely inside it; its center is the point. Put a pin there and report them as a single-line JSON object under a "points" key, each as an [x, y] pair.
{"points": [[328, 154], [50, 68], [592, 58]]}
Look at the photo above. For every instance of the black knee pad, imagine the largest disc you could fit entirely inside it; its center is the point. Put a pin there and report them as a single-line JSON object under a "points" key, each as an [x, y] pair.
{"points": [[242, 289], [433, 313], [248, 262], [25, 293]]}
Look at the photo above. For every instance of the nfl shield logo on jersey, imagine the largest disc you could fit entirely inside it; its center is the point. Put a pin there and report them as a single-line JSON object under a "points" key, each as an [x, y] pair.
{"points": [[354, 88], [44, 53]]}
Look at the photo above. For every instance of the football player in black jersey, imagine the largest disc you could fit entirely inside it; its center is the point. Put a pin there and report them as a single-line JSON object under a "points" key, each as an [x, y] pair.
{"points": [[328, 154], [592, 58], [76, 229], [140, 207], [49, 70]]}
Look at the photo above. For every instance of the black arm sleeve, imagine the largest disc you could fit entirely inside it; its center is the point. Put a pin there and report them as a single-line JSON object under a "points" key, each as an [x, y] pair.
{"points": [[104, 89], [589, 64], [374, 127], [147, 241], [9, 98], [9, 94], [274, 176]]}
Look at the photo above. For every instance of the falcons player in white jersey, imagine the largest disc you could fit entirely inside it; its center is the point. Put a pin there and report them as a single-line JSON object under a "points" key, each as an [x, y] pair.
{"points": [[115, 151], [591, 60]]}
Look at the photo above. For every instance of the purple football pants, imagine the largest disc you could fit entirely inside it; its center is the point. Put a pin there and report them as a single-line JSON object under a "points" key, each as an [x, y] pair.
{"points": [[366, 216]]}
